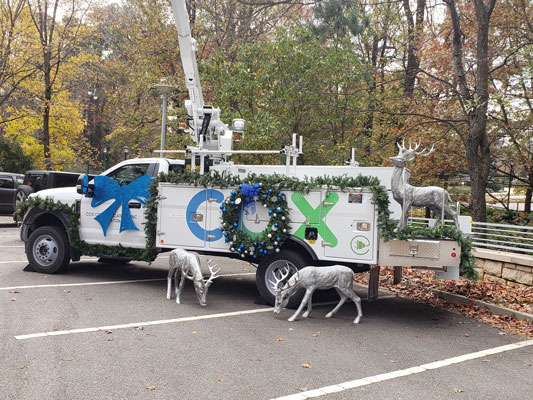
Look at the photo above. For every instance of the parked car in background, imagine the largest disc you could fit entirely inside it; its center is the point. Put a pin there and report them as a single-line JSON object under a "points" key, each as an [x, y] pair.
{"points": [[36, 180], [9, 184]]}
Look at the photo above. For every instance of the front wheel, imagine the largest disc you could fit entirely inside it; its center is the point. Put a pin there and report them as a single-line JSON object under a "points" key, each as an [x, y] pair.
{"points": [[48, 249], [273, 267]]}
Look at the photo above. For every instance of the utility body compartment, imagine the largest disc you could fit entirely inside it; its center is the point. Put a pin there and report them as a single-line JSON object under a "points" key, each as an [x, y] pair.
{"points": [[336, 226]]}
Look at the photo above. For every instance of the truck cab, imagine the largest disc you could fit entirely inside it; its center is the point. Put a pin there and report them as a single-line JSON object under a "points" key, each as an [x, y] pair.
{"points": [[46, 231]]}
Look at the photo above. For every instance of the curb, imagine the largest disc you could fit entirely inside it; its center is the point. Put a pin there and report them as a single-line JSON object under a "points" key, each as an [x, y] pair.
{"points": [[495, 309]]}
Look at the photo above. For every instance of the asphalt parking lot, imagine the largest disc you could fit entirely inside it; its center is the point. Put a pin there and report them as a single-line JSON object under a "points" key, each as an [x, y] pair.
{"points": [[107, 331]]}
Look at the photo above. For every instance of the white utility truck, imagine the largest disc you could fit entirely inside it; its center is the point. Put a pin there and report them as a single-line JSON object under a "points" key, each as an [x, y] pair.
{"points": [[325, 224]]}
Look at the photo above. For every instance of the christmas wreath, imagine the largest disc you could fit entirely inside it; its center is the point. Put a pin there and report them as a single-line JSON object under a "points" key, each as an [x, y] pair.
{"points": [[241, 202]]}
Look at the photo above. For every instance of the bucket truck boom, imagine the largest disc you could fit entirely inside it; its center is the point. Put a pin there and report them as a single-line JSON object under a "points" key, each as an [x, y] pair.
{"points": [[207, 130]]}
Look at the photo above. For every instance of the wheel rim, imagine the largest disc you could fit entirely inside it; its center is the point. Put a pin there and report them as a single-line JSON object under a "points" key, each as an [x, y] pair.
{"points": [[274, 271], [20, 198], [45, 250]]}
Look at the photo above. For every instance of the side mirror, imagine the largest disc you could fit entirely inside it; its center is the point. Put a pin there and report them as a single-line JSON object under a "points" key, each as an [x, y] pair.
{"points": [[83, 186]]}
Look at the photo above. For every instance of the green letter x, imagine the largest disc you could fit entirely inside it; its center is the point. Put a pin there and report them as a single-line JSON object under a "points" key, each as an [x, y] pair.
{"points": [[314, 214]]}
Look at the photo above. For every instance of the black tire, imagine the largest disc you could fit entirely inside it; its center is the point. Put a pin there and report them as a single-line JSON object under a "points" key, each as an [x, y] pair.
{"points": [[273, 264], [48, 249]]}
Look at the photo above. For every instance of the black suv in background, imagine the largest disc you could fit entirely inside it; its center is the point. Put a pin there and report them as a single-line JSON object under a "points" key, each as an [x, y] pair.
{"points": [[9, 184], [35, 181]]}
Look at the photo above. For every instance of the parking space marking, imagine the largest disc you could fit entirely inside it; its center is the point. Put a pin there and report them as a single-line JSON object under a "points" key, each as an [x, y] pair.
{"points": [[403, 372], [146, 323], [104, 283], [11, 262]]}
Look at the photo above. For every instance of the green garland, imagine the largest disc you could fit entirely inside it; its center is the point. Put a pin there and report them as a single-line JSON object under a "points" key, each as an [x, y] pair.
{"points": [[275, 182], [98, 250]]}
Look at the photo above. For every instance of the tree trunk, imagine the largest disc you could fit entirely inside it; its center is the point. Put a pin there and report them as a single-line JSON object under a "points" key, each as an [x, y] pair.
{"points": [[46, 110], [476, 143], [414, 31]]}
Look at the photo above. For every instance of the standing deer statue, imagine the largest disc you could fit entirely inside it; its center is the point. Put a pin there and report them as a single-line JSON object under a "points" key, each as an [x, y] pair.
{"points": [[432, 197], [312, 278], [187, 264]]}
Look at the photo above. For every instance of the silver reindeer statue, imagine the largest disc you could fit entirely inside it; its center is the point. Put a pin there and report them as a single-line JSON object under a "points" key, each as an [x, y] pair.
{"points": [[432, 197], [187, 264], [312, 278]]}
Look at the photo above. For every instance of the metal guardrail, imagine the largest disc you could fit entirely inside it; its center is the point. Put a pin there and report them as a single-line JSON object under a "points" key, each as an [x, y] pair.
{"points": [[502, 237], [512, 238]]}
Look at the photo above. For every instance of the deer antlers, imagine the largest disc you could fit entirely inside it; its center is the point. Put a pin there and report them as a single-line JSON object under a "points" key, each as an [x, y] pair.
{"points": [[213, 273], [411, 152], [284, 274]]}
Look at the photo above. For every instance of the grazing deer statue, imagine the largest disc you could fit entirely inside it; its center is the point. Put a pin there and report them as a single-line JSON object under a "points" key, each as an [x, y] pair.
{"points": [[187, 264], [433, 197], [312, 278]]}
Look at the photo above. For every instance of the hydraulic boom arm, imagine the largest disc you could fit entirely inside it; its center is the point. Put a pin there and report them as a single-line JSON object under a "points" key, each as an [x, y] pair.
{"points": [[208, 131]]}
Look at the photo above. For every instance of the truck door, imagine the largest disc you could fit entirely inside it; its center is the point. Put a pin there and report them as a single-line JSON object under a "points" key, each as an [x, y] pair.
{"points": [[7, 193], [92, 231]]}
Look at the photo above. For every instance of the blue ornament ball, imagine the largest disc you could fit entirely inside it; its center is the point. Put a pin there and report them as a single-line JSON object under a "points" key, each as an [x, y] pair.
{"points": [[276, 224], [262, 243], [242, 246], [235, 224], [279, 209], [233, 192], [269, 190], [270, 212]]}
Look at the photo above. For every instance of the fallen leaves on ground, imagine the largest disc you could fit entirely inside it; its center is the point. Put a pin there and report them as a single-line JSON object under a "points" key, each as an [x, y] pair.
{"points": [[306, 365], [419, 285], [150, 387]]}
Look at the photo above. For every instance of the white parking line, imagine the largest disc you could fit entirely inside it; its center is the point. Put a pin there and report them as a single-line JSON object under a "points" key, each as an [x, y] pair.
{"points": [[137, 324], [12, 262], [11, 247], [403, 372], [102, 283]]}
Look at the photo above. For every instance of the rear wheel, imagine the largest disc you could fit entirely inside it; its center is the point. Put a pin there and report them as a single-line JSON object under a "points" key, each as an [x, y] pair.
{"points": [[48, 249], [272, 267]]}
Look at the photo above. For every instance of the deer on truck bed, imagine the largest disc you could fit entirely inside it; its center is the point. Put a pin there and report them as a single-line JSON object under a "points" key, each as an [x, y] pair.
{"points": [[338, 277], [187, 265], [432, 197]]}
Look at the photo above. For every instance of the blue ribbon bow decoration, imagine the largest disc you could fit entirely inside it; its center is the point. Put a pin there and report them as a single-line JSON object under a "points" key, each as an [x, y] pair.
{"points": [[106, 189], [250, 194]]}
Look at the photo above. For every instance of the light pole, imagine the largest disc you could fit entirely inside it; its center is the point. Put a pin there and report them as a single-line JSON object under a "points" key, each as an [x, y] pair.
{"points": [[105, 158], [90, 118], [126, 150], [164, 90]]}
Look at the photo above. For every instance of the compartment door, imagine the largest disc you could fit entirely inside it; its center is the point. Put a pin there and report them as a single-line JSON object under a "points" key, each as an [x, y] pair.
{"points": [[349, 229], [181, 217]]}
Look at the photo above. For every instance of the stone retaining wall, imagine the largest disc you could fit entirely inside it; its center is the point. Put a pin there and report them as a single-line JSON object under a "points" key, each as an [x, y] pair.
{"points": [[504, 267]]}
